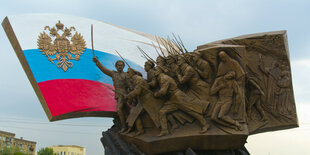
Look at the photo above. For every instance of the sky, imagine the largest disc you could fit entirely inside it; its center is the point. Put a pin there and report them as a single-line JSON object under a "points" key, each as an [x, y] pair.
{"points": [[197, 22]]}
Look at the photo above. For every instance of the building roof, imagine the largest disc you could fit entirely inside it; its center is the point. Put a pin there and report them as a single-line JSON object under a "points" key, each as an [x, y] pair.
{"points": [[23, 140], [17, 139], [8, 133], [69, 146]]}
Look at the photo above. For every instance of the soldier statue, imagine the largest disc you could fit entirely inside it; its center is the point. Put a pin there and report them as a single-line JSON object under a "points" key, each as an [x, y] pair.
{"points": [[196, 87], [255, 98], [177, 100], [149, 68], [121, 85], [139, 90], [202, 67]]}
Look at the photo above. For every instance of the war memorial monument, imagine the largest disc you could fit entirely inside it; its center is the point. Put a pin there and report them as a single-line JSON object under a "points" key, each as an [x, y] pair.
{"points": [[164, 98]]}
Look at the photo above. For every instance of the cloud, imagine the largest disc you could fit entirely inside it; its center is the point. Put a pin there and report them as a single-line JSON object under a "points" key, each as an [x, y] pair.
{"points": [[300, 75]]}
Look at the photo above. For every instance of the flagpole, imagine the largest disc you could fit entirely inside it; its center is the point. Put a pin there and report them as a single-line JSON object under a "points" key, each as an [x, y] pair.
{"points": [[92, 42]]}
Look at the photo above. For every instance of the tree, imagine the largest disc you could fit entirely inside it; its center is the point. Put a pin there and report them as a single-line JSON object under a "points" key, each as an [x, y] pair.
{"points": [[11, 151], [46, 151], [19, 153]]}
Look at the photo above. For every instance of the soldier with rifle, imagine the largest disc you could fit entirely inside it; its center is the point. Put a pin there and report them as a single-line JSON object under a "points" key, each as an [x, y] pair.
{"points": [[202, 67], [177, 100], [188, 76]]}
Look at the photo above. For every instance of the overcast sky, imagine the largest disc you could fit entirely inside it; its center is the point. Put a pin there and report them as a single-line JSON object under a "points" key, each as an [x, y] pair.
{"points": [[197, 22]]}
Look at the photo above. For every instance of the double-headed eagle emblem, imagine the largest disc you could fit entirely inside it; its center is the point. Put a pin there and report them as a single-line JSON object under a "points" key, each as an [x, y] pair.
{"points": [[61, 46]]}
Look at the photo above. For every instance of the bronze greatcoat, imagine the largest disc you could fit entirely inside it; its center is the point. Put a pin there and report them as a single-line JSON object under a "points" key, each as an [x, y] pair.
{"points": [[204, 70], [197, 87], [169, 87], [152, 81], [146, 101], [178, 100]]}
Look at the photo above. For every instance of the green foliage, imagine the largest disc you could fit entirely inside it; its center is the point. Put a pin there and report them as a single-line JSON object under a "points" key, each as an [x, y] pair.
{"points": [[6, 151], [19, 153], [11, 151], [46, 151]]}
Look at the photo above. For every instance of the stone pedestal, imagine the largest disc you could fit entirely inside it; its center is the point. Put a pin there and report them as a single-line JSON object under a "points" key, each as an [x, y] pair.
{"points": [[215, 141]]}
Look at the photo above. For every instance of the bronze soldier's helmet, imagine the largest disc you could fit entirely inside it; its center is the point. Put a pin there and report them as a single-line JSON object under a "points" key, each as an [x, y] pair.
{"points": [[150, 63]]}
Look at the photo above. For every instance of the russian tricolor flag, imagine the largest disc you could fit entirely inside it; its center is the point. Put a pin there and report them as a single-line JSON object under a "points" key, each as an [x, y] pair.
{"points": [[81, 90]]}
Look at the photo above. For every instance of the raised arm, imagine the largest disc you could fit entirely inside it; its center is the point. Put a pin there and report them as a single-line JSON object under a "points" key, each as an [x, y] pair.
{"points": [[102, 68]]}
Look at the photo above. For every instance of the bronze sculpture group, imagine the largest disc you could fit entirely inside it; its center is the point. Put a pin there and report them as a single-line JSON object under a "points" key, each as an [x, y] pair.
{"points": [[181, 88], [222, 91]]}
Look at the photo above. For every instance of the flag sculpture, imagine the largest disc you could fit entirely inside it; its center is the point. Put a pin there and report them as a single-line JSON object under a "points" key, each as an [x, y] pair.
{"points": [[55, 52]]}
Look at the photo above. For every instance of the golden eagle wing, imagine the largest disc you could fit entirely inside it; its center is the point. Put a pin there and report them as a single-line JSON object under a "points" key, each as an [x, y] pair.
{"points": [[78, 44], [45, 44]]}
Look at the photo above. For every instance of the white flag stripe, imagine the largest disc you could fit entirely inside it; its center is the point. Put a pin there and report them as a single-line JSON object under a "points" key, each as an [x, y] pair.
{"points": [[107, 37]]}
